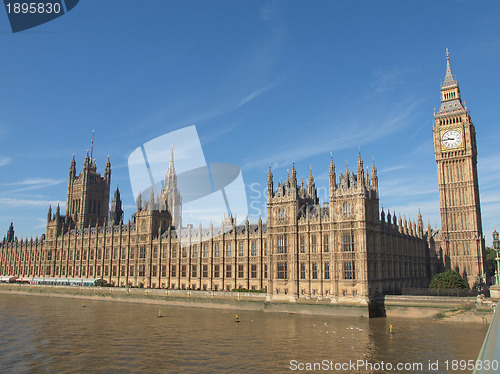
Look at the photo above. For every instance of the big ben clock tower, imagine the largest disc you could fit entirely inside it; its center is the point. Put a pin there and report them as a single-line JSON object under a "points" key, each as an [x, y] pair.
{"points": [[456, 157]]}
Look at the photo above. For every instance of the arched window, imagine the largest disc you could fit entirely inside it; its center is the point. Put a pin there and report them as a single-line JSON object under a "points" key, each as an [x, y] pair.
{"points": [[314, 270], [282, 244], [302, 244], [347, 209], [349, 270], [348, 242], [314, 244], [281, 214], [282, 270]]}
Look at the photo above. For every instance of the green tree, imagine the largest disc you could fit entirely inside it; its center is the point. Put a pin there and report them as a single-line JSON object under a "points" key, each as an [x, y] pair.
{"points": [[491, 255], [449, 279]]}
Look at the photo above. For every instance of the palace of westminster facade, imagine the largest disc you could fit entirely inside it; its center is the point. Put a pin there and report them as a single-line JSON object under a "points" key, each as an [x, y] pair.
{"points": [[341, 249]]}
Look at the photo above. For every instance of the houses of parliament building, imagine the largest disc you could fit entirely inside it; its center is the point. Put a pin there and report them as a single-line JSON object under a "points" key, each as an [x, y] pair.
{"points": [[346, 248]]}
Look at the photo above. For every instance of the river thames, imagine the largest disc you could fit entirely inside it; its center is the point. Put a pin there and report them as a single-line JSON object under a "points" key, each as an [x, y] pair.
{"points": [[59, 335]]}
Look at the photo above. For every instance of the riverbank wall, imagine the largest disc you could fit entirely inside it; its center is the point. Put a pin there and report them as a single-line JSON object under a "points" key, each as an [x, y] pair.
{"points": [[466, 309], [445, 308], [186, 298]]}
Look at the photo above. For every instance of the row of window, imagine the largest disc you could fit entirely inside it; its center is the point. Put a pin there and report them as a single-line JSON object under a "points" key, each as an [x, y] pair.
{"points": [[94, 206], [217, 271], [142, 252], [217, 251], [141, 271], [347, 246], [349, 270], [313, 293]]}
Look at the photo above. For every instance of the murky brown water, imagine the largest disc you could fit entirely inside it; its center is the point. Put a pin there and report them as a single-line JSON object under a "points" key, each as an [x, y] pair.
{"points": [[56, 335]]}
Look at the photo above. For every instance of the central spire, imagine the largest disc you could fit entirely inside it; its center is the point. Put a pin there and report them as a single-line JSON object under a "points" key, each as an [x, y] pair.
{"points": [[170, 176], [171, 165]]}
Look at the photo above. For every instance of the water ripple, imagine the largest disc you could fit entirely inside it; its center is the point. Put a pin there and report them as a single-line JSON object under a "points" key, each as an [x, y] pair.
{"points": [[56, 335]]}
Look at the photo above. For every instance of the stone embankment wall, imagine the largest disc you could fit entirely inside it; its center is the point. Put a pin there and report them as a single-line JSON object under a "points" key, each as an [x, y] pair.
{"points": [[205, 299], [460, 309], [467, 309]]}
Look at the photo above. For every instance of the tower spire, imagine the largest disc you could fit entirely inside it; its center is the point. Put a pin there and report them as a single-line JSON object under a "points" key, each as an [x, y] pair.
{"points": [[10, 233], [171, 164], [374, 177], [87, 159], [331, 175], [171, 195], [116, 212], [360, 160], [72, 167], [451, 103], [107, 171], [170, 176], [449, 79], [92, 147]]}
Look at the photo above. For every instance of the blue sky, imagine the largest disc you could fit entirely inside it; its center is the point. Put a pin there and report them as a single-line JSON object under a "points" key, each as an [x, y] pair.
{"points": [[262, 81]]}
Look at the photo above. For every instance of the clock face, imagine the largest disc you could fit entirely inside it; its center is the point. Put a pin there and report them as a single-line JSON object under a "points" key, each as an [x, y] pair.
{"points": [[451, 139]]}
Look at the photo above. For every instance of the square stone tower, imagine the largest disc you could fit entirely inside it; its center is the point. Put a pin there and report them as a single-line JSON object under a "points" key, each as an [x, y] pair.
{"points": [[456, 157]]}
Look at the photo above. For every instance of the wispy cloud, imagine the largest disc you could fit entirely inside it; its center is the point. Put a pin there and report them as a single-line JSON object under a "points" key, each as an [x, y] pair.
{"points": [[19, 203], [167, 114], [407, 187], [337, 135], [267, 11], [216, 133], [234, 104], [255, 94], [249, 78], [490, 197], [393, 168], [5, 161], [388, 79], [30, 184], [489, 170], [41, 224], [34, 182], [489, 217], [423, 148]]}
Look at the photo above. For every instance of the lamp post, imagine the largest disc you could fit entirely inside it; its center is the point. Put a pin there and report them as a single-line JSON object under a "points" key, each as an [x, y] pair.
{"points": [[496, 246]]}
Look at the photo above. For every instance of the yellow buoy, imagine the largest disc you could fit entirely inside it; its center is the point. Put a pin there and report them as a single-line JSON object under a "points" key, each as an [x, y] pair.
{"points": [[390, 328], [236, 319], [159, 314], [83, 304]]}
